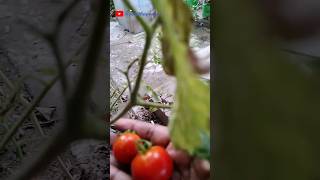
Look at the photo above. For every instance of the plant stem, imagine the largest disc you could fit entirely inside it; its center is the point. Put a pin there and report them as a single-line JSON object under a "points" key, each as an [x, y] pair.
{"points": [[121, 113], [56, 144], [149, 34], [134, 93], [26, 113], [18, 148], [300, 53], [128, 80], [33, 104], [76, 105]]}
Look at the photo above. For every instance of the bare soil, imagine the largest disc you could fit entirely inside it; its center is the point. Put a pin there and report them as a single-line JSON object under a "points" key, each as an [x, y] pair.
{"points": [[23, 53]]}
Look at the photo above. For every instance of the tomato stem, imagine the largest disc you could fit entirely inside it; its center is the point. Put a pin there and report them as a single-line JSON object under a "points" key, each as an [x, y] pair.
{"points": [[143, 146], [130, 131]]}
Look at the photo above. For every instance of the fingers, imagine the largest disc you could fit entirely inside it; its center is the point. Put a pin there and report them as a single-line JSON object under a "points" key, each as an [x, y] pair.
{"points": [[201, 168], [155, 133], [116, 174], [112, 137], [181, 158], [113, 161], [189, 169]]}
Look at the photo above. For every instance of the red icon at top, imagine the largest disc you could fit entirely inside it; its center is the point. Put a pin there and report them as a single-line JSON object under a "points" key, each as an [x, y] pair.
{"points": [[119, 13]]}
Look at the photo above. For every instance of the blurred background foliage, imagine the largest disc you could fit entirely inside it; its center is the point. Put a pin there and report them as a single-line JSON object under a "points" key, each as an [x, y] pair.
{"points": [[266, 104]]}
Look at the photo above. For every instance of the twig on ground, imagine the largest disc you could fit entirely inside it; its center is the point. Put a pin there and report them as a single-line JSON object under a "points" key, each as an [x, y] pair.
{"points": [[150, 104]]}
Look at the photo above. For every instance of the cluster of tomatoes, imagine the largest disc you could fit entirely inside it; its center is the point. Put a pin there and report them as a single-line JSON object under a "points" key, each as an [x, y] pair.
{"points": [[147, 162]]}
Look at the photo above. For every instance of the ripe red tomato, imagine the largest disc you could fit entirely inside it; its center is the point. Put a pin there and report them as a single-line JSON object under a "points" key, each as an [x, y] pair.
{"points": [[124, 148], [153, 164]]}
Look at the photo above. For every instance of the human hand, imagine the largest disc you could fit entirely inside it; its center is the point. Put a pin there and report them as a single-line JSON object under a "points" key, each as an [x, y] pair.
{"points": [[186, 167]]}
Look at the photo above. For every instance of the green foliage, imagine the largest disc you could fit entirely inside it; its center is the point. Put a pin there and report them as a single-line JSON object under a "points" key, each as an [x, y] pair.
{"points": [[150, 92], [154, 96], [190, 120], [156, 59]]}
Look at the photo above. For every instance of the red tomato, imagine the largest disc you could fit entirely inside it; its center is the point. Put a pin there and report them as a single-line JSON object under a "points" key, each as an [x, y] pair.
{"points": [[154, 164], [124, 148]]}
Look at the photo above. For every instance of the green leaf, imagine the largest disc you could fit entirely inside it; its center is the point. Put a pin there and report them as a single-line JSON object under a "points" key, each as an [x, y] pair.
{"points": [[203, 150], [154, 96], [176, 20], [191, 117], [190, 121]]}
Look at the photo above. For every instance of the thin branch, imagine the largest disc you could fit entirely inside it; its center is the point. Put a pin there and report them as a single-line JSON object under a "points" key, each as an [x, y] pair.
{"points": [[37, 124], [113, 94], [128, 80], [52, 39], [60, 65], [9, 103], [155, 24], [76, 105], [149, 34], [55, 145], [300, 53], [26, 103], [55, 46], [11, 99], [141, 68], [26, 113], [35, 102], [14, 141], [132, 63], [125, 73], [134, 93], [121, 113], [39, 128], [5, 79], [65, 13]]}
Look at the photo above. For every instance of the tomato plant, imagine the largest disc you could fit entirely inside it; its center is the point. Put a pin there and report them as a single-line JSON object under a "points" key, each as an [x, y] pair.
{"points": [[124, 148], [151, 163]]}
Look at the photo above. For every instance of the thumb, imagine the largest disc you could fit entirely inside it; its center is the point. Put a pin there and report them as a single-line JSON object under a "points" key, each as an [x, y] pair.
{"points": [[201, 168]]}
